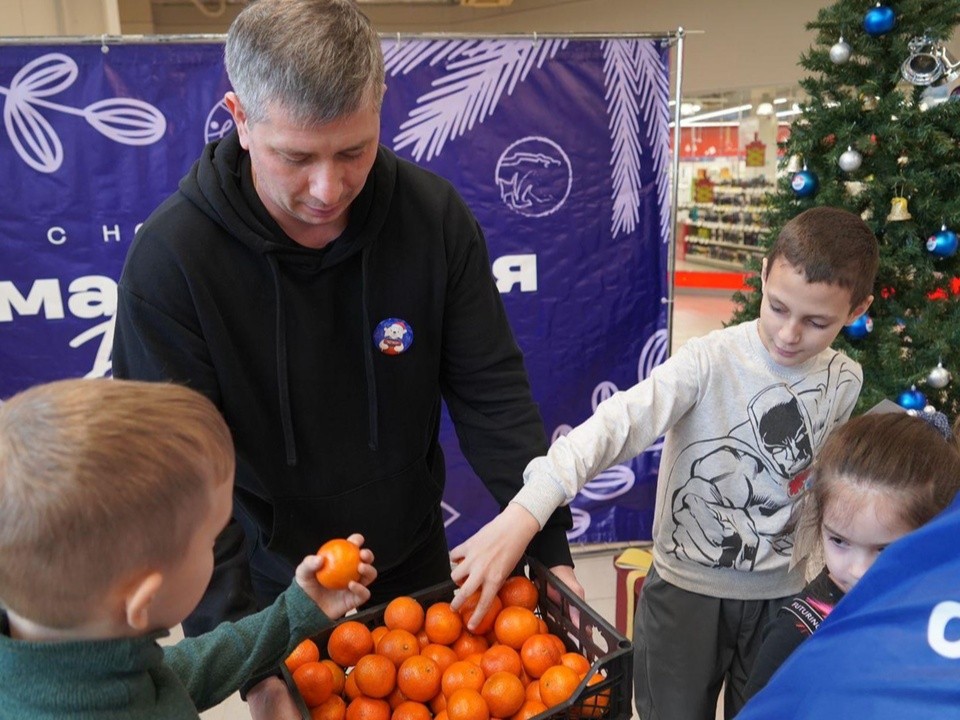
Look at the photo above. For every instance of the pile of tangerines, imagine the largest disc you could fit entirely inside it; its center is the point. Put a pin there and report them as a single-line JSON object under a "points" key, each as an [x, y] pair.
{"points": [[423, 664]]}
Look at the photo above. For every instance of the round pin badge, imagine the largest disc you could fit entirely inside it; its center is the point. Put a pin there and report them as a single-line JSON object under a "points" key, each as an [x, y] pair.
{"points": [[393, 336]]}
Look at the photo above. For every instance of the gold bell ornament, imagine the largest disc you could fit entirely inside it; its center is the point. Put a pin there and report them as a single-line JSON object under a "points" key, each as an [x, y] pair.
{"points": [[898, 210], [795, 164]]}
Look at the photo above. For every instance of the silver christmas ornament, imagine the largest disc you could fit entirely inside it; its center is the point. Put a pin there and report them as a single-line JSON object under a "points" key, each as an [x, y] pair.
{"points": [[850, 160], [840, 53], [939, 377]]}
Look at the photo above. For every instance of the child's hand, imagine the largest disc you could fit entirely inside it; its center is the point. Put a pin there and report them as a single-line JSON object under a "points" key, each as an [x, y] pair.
{"points": [[485, 560], [337, 603]]}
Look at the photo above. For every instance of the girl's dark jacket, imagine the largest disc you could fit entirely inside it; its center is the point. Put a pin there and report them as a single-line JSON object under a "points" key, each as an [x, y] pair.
{"points": [[332, 435]]}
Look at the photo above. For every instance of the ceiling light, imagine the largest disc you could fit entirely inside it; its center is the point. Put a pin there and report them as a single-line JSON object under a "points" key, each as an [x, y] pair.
{"points": [[711, 123], [795, 110], [718, 113]]}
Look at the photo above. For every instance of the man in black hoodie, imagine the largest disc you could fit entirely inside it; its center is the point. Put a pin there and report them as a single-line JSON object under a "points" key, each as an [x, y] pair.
{"points": [[325, 295]]}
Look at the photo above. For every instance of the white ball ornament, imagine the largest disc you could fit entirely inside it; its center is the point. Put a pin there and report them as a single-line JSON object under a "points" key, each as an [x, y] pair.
{"points": [[840, 53], [850, 160], [939, 377]]}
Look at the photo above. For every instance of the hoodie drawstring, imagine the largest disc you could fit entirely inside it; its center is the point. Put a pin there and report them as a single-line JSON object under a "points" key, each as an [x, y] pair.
{"points": [[283, 384], [374, 435]]}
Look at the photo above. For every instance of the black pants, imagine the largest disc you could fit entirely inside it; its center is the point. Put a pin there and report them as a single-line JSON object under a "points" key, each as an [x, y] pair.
{"points": [[686, 645]]}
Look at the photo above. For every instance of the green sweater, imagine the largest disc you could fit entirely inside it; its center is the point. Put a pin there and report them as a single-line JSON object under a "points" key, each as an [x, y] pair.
{"points": [[137, 678]]}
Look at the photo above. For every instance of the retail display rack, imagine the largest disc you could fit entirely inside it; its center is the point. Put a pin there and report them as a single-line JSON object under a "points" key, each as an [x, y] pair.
{"points": [[723, 226]]}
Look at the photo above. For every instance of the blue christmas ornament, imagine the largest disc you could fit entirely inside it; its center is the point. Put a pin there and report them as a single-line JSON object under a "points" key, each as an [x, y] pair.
{"points": [[943, 243], [879, 20], [912, 399], [804, 183], [859, 328]]}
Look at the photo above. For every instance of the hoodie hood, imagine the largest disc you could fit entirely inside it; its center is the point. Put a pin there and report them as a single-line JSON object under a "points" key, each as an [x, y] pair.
{"points": [[221, 185]]}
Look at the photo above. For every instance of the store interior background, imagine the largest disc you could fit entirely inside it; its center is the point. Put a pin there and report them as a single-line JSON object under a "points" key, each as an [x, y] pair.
{"points": [[740, 54]]}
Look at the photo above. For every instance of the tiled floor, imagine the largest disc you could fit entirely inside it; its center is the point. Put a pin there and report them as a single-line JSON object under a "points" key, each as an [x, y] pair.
{"points": [[695, 313]]}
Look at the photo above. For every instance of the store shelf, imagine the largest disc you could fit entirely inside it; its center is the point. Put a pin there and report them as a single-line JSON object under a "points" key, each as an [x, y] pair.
{"points": [[725, 232], [756, 190]]}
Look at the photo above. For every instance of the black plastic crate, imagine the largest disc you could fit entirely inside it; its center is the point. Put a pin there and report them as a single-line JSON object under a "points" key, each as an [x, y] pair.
{"points": [[568, 617]]}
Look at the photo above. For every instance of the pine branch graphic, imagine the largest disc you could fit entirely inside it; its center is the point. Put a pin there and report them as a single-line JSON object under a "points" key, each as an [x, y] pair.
{"points": [[636, 80], [479, 72], [402, 56], [654, 91], [621, 69]]}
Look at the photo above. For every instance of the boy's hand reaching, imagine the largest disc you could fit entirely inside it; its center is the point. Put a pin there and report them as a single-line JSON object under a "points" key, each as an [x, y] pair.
{"points": [[337, 603], [485, 561]]}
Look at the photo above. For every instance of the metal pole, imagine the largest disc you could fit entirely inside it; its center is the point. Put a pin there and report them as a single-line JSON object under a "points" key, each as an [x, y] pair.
{"points": [[674, 192], [219, 38]]}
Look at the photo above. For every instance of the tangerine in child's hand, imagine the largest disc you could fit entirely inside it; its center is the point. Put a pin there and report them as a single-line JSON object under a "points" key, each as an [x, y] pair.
{"points": [[341, 564]]}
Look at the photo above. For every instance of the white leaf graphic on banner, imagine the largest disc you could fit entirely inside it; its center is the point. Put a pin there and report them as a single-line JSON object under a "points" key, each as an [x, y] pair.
{"points": [[33, 137], [559, 431], [478, 73], [581, 523], [633, 73], [609, 484], [654, 91], [123, 120], [400, 57]]}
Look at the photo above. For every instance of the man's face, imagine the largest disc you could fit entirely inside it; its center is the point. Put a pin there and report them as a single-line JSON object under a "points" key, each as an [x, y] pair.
{"points": [[799, 319], [307, 176]]}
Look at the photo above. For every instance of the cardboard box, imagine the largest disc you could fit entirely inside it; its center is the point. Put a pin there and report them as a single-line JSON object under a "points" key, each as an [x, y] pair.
{"points": [[632, 566]]}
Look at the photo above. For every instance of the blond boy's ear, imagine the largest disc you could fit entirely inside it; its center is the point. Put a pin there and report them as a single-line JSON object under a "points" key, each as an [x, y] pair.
{"points": [[138, 600], [859, 310]]}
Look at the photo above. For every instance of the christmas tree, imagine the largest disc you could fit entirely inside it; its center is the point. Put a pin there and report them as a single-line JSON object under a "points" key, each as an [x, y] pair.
{"points": [[887, 149]]}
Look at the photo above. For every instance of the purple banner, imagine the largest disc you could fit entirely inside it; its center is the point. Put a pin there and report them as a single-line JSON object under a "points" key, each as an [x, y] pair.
{"points": [[559, 146]]}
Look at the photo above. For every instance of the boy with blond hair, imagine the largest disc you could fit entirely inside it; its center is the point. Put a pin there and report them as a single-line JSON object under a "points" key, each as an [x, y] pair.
{"points": [[111, 495], [744, 410]]}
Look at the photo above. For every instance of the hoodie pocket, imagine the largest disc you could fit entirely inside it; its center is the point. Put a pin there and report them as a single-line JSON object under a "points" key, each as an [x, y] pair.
{"points": [[388, 511]]}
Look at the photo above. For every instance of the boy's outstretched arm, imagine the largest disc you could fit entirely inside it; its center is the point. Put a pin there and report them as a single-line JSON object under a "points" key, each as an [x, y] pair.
{"points": [[216, 664], [485, 560]]}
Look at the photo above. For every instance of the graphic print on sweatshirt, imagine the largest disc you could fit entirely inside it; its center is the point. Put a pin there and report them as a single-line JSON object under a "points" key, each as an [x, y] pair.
{"points": [[733, 496]]}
